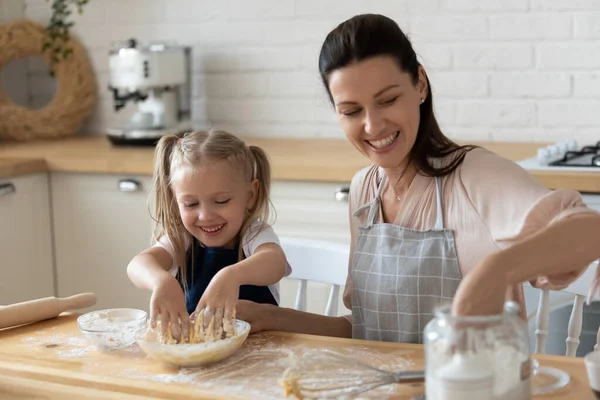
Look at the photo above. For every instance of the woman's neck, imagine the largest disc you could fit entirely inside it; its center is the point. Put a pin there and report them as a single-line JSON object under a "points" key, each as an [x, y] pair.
{"points": [[399, 178]]}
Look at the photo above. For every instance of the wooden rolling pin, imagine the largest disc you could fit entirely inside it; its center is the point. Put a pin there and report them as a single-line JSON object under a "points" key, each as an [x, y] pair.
{"points": [[31, 311]]}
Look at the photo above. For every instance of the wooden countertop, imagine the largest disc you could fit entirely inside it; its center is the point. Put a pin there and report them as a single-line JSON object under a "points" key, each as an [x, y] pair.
{"points": [[325, 160], [20, 166], [52, 360]]}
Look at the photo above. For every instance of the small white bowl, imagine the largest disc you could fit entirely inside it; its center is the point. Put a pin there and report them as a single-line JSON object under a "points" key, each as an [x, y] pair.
{"points": [[193, 355], [112, 329]]}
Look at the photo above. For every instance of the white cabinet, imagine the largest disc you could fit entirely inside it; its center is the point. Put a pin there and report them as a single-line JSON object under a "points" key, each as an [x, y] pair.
{"points": [[592, 201], [100, 223], [26, 270], [313, 210]]}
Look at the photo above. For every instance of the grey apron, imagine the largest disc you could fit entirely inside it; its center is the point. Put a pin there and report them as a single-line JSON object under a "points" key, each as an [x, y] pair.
{"points": [[400, 275]]}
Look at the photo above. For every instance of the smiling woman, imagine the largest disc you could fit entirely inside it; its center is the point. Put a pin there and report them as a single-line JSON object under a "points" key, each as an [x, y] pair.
{"points": [[431, 222]]}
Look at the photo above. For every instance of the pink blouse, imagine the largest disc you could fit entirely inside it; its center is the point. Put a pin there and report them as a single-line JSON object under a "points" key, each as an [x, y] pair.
{"points": [[489, 202]]}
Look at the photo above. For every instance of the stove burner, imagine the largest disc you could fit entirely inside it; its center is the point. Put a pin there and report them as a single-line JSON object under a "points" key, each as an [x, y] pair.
{"points": [[592, 149], [588, 156]]}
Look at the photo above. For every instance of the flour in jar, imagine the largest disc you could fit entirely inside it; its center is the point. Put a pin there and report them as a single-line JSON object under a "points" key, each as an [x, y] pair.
{"points": [[508, 367]]}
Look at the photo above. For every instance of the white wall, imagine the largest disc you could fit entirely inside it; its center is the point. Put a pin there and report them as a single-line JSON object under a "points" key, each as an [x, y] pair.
{"points": [[503, 70]]}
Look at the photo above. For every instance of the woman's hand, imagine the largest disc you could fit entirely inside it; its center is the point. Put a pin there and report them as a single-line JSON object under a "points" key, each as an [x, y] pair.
{"points": [[253, 313], [168, 303], [482, 291], [219, 299]]}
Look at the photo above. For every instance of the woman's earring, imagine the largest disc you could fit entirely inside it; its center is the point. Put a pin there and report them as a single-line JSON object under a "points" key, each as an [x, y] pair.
{"points": [[422, 101]]}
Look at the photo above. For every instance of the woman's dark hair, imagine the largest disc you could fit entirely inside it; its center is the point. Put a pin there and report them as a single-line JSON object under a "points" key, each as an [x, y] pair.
{"points": [[370, 35]]}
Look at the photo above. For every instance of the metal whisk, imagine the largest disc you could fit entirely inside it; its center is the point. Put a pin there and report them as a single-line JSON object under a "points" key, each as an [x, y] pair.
{"points": [[327, 374]]}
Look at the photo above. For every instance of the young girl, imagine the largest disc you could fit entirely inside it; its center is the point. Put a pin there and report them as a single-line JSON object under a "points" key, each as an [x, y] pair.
{"points": [[211, 194]]}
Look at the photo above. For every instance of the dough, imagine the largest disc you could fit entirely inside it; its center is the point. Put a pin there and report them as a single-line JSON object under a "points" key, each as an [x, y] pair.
{"points": [[289, 383], [198, 334]]}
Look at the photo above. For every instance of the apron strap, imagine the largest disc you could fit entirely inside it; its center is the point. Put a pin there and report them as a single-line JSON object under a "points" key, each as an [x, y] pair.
{"points": [[372, 205], [439, 219], [374, 210]]}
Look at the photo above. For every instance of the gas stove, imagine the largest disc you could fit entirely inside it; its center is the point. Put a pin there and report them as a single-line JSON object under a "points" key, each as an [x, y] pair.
{"points": [[568, 156], [565, 155]]}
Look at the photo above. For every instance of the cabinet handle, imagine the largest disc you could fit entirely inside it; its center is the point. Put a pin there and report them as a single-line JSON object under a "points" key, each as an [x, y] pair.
{"points": [[129, 185], [7, 188], [341, 194]]}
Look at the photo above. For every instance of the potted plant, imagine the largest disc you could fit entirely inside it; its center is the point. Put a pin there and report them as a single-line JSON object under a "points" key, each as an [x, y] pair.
{"points": [[57, 31]]}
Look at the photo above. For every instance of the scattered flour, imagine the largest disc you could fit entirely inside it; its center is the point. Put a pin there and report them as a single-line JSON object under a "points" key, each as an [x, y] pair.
{"points": [[254, 371]]}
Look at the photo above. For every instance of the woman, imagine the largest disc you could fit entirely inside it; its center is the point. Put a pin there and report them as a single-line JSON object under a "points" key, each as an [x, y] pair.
{"points": [[431, 221]]}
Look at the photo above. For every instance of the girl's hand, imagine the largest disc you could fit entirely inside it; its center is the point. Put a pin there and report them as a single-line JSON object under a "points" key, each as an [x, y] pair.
{"points": [[219, 300], [168, 302]]}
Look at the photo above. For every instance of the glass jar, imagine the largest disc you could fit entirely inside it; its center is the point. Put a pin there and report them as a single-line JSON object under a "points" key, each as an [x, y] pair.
{"points": [[482, 357]]}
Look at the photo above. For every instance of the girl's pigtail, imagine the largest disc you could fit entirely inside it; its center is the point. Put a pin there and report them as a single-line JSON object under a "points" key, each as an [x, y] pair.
{"points": [[167, 220], [261, 172]]}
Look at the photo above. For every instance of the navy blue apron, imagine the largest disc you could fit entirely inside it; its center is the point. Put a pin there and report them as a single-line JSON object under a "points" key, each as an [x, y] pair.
{"points": [[207, 261]]}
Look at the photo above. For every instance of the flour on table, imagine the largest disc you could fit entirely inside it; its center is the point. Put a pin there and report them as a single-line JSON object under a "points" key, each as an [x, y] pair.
{"points": [[256, 369], [66, 346]]}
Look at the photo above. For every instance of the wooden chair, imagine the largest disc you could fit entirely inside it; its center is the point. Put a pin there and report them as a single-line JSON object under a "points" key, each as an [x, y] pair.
{"points": [[578, 290], [318, 261]]}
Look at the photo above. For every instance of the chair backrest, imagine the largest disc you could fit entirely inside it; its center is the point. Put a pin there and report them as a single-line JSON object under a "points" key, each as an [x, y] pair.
{"points": [[319, 261], [578, 291]]}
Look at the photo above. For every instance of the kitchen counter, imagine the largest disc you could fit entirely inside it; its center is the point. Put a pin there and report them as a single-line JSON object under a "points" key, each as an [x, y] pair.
{"points": [[325, 160], [21, 166], [51, 360]]}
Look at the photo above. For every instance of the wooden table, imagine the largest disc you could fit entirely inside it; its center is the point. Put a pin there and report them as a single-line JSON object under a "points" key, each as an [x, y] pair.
{"points": [[52, 360]]}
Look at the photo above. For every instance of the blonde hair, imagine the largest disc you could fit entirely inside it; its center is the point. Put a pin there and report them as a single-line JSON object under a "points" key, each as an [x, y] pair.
{"points": [[194, 149]]}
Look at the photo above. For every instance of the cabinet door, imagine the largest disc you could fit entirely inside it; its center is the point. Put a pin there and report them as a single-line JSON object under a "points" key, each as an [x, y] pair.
{"points": [[592, 201], [26, 270], [100, 223], [313, 210]]}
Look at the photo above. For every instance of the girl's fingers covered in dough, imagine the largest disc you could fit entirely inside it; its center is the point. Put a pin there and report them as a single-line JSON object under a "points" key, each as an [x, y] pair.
{"points": [[175, 326], [229, 314], [154, 314], [164, 323], [208, 316], [229, 320], [218, 323], [185, 326]]}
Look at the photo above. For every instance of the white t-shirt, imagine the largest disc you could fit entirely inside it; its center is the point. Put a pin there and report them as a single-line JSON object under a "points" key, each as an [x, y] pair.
{"points": [[252, 239]]}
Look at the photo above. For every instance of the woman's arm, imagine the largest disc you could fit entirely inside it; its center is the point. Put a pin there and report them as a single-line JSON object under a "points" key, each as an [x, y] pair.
{"points": [[552, 252], [267, 317], [574, 241]]}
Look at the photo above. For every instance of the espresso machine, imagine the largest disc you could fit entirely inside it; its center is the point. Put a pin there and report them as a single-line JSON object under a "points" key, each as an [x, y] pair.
{"points": [[156, 79]]}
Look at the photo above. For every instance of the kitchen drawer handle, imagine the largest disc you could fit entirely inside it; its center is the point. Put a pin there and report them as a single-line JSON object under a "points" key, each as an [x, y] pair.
{"points": [[129, 185], [7, 188], [341, 194]]}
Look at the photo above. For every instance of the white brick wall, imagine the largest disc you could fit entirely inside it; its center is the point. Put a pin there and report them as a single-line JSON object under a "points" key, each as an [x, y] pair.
{"points": [[508, 70], [13, 76]]}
